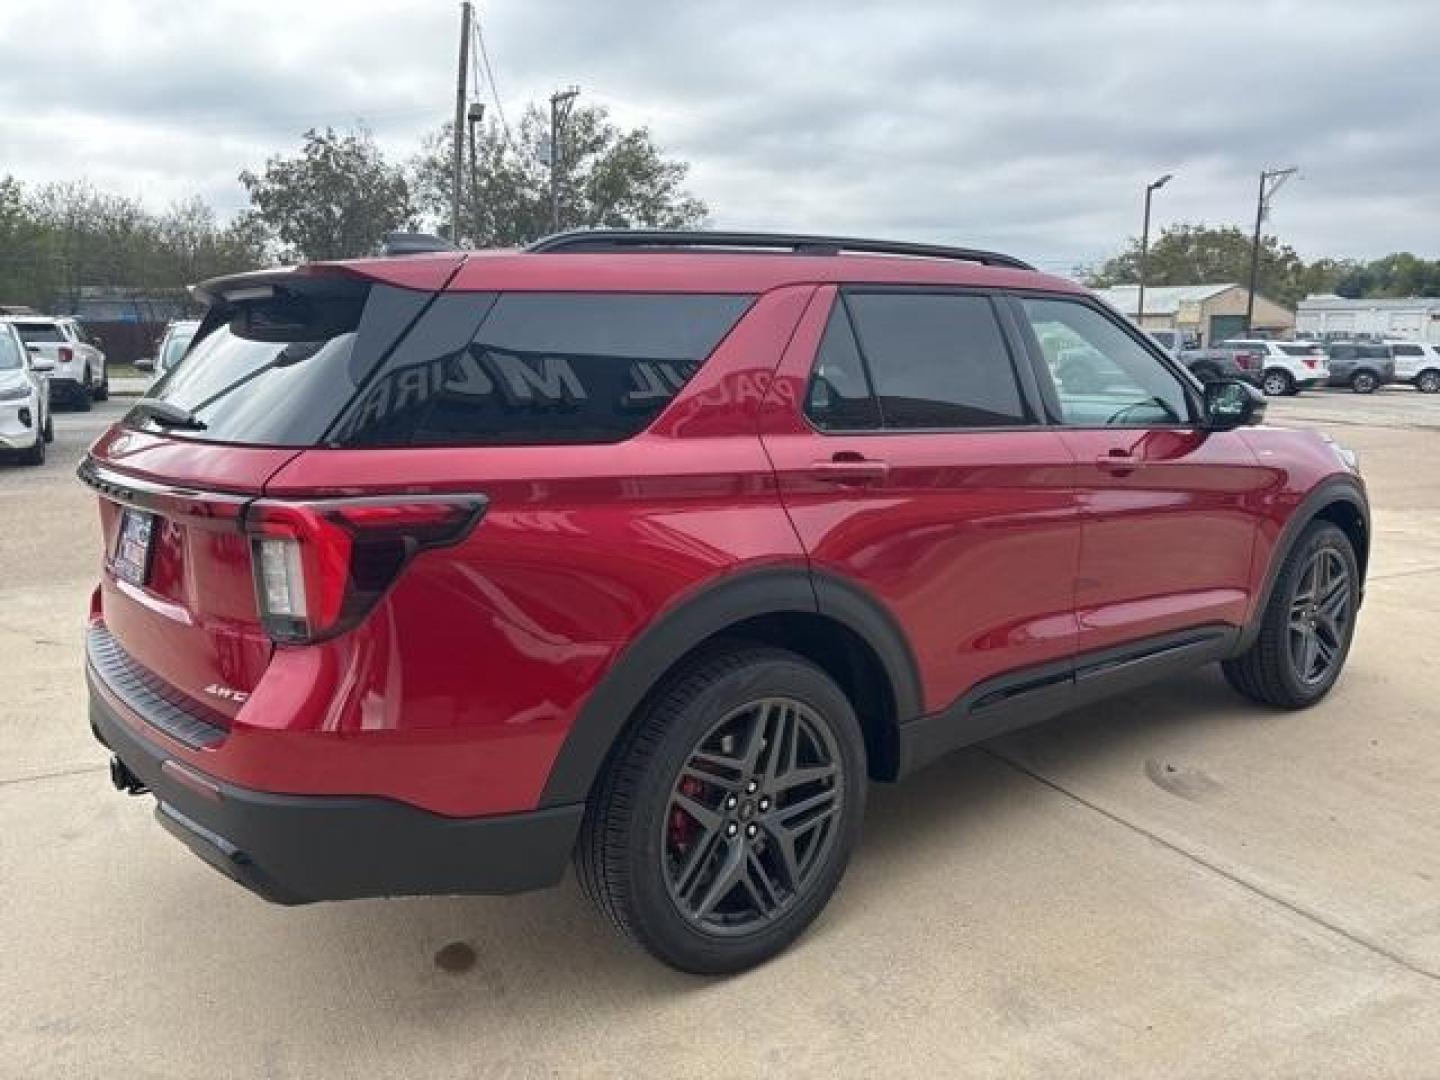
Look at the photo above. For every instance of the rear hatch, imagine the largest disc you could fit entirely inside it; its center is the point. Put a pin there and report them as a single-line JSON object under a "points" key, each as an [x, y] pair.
{"points": [[275, 362], [1310, 356]]}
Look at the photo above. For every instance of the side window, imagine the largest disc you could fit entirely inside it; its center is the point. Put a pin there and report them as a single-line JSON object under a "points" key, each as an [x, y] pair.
{"points": [[1103, 376], [1408, 350], [539, 369], [937, 360], [840, 397]]}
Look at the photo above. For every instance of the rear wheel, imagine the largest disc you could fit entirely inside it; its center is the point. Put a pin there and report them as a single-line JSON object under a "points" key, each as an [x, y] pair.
{"points": [[36, 454], [1428, 382], [726, 816], [1277, 383], [86, 394], [102, 388], [1307, 626], [48, 432], [1364, 382]]}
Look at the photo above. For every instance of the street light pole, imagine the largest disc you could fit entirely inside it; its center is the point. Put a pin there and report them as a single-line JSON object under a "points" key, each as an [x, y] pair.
{"points": [[1150, 189], [1271, 181], [560, 102], [458, 150]]}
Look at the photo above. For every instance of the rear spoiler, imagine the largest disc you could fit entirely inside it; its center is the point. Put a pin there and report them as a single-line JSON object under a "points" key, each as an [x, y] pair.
{"points": [[429, 272]]}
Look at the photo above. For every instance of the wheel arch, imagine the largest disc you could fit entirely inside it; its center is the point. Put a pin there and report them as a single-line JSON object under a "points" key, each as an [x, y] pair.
{"points": [[832, 623], [1339, 500]]}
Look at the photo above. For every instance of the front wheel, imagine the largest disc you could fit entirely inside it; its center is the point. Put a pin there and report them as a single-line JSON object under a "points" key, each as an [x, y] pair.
{"points": [[1428, 382], [726, 816], [1307, 626], [36, 454], [1276, 383], [102, 388], [1364, 382]]}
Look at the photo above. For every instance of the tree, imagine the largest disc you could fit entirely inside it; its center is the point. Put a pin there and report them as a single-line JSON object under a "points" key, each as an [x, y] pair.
{"points": [[609, 178], [1187, 254], [336, 199], [1400, 274]]}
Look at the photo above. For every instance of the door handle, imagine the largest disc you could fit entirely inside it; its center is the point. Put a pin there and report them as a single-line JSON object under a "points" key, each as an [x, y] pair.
{"points": [[850, 468], [1120, 462]]}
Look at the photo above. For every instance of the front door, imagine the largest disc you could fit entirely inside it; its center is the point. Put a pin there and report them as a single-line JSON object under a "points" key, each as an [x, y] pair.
{"points": [[910, 456], [1170, 510]]}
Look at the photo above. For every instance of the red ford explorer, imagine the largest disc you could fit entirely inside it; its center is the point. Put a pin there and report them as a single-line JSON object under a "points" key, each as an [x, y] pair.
{"points": [[426, 574]]}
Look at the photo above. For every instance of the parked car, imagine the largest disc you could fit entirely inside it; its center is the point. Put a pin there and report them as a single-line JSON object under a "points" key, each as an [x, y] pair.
{"points": [[1361, 365], [424, 574], [1175, 341], [1214, 365], [1417, 363], [25, 424], [171, 349], [81, 374], [1287, 367]]}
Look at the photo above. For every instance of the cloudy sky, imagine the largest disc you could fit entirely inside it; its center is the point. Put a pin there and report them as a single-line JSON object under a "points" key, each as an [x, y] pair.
{"points": [[1028, 125]]}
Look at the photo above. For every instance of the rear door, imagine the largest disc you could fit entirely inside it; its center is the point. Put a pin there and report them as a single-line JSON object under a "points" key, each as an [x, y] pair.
{"points": [[1170, 511], [915, 467]]}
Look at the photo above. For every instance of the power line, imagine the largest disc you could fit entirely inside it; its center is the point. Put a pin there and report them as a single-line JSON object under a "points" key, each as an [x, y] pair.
{"points": [[490, 78]]}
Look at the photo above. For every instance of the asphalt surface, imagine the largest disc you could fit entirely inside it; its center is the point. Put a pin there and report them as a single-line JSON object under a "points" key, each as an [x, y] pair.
{"points": [[1174, 883]]}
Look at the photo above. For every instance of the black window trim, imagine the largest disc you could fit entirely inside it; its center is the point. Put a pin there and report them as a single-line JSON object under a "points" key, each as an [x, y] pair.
{"points": [[1194, 394], [1024, 379]]}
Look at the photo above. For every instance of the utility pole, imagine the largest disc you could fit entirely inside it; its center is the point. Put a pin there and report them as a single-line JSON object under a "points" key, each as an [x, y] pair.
{"points": [[560, 103], [1271, 181], [1150, 189], [461, 86], [475, 115]]}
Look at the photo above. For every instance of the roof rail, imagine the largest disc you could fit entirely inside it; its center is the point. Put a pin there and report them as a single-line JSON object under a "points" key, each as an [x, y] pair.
{"points": [[593, 240], [414, 243]]}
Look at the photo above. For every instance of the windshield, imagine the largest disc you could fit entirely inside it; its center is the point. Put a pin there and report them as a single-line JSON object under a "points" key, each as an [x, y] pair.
{"points": [[11, 358], [39, 332]]}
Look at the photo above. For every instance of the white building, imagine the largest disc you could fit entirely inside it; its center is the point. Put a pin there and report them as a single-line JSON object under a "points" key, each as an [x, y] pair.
{"points": [[1413, 318]]}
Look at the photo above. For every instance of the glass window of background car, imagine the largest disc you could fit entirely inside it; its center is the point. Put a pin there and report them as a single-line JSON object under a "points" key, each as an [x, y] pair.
{"points": [[12, 358], [1102, 376]]}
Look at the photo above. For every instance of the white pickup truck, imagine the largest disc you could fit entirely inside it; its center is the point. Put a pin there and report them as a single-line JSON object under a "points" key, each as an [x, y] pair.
{"points": [[81, 374]]}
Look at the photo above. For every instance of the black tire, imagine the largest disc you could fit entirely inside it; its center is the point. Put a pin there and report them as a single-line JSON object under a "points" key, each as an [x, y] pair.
{"points": [[1277, 383], [102, 388], [84, 397], [1270, 672], [1428, 381], [35, 455], [48, 432], [1364, 382], [628, 854]]}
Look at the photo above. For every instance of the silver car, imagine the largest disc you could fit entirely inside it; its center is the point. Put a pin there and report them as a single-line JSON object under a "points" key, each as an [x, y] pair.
{"points": [[25, 424]]}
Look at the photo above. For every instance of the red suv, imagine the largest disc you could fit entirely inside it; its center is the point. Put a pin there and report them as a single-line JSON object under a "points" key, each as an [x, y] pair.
{"points": [[425, 573]]}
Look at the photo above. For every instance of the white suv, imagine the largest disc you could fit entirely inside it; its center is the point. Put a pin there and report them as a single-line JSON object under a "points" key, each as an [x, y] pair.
{"points": [[81, 373], [1417, 363], [1288, 366], [25, 425]]}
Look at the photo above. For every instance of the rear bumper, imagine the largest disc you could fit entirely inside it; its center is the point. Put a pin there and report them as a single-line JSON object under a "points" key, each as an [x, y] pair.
{"points": [[295, 849]]}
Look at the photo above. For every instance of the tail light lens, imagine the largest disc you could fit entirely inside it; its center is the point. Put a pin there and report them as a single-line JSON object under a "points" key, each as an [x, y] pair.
{"points": [[321, 566], [1247, 361], [66, 354]]}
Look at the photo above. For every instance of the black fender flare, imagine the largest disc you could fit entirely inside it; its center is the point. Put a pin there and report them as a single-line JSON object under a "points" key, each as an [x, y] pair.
{"points": [[702, 615], [1334, 489]]}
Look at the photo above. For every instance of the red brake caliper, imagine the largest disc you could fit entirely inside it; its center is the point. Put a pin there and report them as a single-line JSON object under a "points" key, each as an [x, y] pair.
{"points": [[682, 825]]}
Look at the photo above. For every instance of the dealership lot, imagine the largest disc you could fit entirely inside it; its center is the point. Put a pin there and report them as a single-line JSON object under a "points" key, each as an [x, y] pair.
{"points": [[1172, 882]]}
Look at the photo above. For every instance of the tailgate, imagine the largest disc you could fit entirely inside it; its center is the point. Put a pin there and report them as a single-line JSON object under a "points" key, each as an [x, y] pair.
{"points": [[177, 594]]}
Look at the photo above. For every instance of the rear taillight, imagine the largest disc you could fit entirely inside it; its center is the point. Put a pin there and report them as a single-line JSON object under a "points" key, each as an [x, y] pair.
{"points": [[321, 566], [1247, 361], [66, 354]]}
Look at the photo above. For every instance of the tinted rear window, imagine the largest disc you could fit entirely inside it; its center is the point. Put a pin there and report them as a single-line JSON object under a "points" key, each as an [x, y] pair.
{"points": [[538, 369], [37, 333], [1300, 350]]}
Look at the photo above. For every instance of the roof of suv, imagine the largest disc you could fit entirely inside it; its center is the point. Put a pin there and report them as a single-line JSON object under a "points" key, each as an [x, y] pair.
{"points": [[681, 265]]}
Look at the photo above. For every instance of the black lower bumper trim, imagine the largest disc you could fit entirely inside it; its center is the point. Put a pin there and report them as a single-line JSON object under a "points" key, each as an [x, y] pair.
{"points": [[295, 849]]}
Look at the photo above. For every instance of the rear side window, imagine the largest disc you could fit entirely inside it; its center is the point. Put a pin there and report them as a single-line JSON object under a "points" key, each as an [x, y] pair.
{"points": [[40, 333], [538, 369], [840, 397], [937, 360], [1408, 350], [1299, 350], [1375, 352]]}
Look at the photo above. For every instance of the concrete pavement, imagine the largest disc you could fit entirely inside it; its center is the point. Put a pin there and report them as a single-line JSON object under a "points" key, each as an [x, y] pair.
{"points": [[1173, 883]]}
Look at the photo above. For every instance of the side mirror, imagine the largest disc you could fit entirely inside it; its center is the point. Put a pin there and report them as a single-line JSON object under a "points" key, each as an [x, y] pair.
{"points": [[145, 363], [1230, 403]]}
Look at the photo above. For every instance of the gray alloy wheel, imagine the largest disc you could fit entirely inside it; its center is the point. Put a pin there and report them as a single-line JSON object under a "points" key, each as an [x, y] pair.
{"points": [[1428, 382], [1275, 383], [1320, 614], [752, 816], [1364, 382]]}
